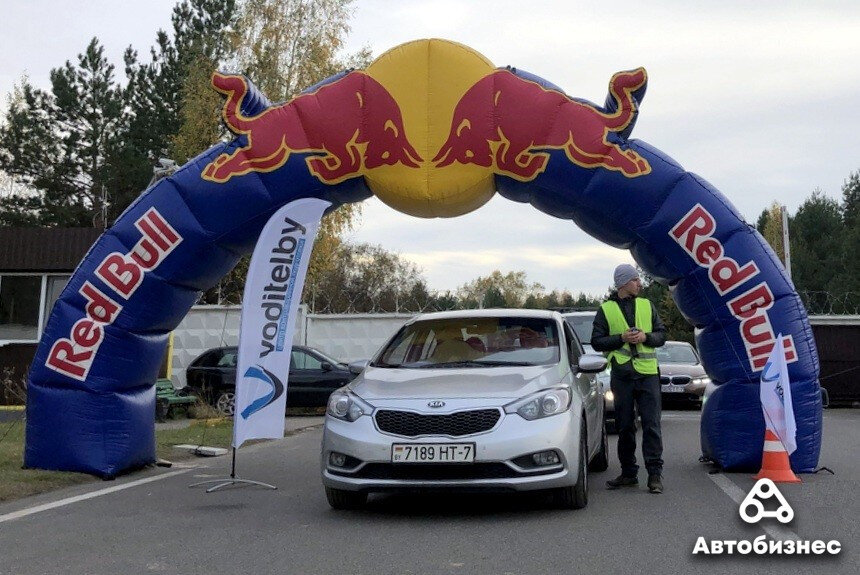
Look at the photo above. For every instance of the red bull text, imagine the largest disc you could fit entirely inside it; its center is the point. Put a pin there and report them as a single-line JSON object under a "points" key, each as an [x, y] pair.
{"points": [[694, 233], [123, 273]]}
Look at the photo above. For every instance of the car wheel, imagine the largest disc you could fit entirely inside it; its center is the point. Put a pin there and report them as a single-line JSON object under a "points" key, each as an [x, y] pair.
{"points": [[601, 458], [226, 403], [576, 496], [340, 499]]}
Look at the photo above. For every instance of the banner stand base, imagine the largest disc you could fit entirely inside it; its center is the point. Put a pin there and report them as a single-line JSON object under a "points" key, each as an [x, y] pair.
{"points": [[232, 480], [224, 482]]}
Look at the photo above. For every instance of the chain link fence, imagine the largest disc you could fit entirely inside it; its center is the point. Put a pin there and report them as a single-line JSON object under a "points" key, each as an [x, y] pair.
{"points": [[829, 303], [417, 299]]}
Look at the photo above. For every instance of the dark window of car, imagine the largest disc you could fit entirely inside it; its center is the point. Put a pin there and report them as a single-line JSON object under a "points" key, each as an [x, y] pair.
{"points": [[228, 359], [303, 360], [472, 342], [574, 349], [582, 325], [675, 353], [209, 359]]}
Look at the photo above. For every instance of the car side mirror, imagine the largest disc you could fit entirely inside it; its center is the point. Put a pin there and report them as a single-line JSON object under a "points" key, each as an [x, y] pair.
{"points": [[326, 366], [357, 367], [591, 363]]}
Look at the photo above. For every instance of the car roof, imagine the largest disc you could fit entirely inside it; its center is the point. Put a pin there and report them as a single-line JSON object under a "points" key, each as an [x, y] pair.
{"points": [[590, 313], [494, 312]]}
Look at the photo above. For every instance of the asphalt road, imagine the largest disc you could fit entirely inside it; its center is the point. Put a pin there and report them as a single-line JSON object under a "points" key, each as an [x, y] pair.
{"points": [[166, 527]]}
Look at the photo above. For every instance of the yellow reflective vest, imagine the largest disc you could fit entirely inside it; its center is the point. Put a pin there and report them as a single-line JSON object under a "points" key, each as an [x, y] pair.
{"points": [[646, 360]]}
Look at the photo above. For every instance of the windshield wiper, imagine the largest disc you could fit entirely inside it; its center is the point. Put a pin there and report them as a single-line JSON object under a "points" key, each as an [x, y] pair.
{"points": [[446, 364], [476, 363], [493, 363]]}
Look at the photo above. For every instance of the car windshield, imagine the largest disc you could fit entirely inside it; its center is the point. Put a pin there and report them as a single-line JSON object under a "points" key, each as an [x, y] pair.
{"points": [[582, 325], [676, 354], [472, 342]]}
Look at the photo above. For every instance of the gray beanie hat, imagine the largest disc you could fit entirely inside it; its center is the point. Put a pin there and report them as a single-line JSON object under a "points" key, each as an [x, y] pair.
{"points": [[623, 274]]}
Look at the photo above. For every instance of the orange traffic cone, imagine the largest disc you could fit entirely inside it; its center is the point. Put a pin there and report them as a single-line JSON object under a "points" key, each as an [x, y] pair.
{"points": [[774, 461]]}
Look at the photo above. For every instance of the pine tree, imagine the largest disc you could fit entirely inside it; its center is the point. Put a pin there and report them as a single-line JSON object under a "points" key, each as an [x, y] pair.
{"points": [[816, 251], [62, 144]]}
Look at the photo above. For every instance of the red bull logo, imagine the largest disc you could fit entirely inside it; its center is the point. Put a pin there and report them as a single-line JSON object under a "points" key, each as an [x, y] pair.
{"points": [[529, 120], [345, 127]]}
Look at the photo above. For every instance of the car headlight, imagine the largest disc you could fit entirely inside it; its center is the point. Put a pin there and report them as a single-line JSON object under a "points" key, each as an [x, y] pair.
{"points": [[609, 396], [701, 380], [347, 406], [541, 404]]}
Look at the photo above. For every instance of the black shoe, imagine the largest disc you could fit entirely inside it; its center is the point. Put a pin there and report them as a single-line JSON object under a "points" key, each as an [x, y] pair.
{"points": [[655, 484], [622, 481]]}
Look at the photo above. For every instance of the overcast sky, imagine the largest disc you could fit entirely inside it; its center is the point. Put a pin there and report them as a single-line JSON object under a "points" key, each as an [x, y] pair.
{"points": [[759, 99]]}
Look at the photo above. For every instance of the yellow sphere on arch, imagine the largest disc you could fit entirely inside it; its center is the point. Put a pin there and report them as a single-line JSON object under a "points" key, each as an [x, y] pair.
{"points": [[427, 78]]}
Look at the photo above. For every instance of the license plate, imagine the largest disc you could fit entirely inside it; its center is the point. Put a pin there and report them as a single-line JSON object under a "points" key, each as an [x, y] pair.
{"points": [[433, 453], [672, 388]]}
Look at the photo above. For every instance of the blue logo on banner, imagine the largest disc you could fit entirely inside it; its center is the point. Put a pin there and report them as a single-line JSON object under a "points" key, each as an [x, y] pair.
{"points": [[277, 389], [285, 315]]}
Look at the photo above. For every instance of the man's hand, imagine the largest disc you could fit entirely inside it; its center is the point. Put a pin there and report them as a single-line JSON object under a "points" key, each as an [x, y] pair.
{"points": [[633, 337]]}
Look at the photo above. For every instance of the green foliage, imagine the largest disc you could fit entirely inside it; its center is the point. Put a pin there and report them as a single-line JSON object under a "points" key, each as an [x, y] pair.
{"points": [[504, 290], [772, 229], [84, 149], [63, 143], [287, 46], [825, 240], [367, 278], [677, 327]]}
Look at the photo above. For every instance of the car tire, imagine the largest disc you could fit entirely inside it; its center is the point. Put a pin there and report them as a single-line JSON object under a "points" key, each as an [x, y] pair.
{"points": [[225, 403], [576, 496], [341, 499], [601, 458]]}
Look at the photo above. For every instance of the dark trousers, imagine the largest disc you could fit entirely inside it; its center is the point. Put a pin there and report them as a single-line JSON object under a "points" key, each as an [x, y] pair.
{"points": [[645, 393]]}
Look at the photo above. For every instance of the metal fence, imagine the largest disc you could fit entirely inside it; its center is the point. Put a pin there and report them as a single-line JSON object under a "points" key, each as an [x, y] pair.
{"points": [[829, 303]]}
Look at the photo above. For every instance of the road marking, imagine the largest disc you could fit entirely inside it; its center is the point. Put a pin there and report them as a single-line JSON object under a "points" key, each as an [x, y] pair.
{"points": [[682, 416], [736, 493], [84, 497]]}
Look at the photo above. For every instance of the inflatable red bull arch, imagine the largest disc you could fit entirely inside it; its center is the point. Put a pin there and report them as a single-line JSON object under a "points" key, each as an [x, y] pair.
{"points": [[434, 130]]}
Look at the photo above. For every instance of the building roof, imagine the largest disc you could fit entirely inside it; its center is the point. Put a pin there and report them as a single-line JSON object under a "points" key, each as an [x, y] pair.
{"points": [[44, 249]]}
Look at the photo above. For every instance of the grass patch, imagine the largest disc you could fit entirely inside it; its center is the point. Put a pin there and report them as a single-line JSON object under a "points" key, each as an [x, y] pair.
{"points": [[16, 483], [210, 432]]}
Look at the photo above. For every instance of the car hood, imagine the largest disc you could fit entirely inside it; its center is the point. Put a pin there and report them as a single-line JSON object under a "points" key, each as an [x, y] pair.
{"points": [[693, 370], [461, 383]]}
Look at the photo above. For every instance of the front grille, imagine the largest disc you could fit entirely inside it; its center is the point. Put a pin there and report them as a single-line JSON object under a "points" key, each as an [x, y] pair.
{"points": [[409, 424], [676, 379], [437, 471]]}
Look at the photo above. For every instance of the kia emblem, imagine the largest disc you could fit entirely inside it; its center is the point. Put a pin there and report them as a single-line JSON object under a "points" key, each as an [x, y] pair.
{"points": [[436, 403]]}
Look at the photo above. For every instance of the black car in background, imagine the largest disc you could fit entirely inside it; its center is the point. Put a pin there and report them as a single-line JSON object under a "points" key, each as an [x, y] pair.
{"points": [[313, 376]]}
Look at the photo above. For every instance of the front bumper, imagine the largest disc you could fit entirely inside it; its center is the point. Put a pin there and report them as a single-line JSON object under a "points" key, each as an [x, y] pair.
{"points": [[492, 470]]}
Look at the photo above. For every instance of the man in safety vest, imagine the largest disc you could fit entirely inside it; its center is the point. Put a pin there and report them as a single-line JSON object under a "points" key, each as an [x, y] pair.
{"points": [[627, 329]]}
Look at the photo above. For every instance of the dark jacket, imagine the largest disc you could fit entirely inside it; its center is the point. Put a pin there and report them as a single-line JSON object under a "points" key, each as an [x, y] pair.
{"points": [[602, 341]]}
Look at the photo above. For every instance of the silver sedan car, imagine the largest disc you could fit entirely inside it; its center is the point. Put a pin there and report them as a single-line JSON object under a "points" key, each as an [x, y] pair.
{"points": [[499, 400]]}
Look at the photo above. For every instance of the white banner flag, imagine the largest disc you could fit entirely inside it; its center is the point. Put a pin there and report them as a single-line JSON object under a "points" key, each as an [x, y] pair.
{"points": [[776, 397], [273, 291]]}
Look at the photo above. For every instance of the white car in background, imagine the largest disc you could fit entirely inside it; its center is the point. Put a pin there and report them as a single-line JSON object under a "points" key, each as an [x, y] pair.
{"points": [[500, 400], [582, 323]]}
